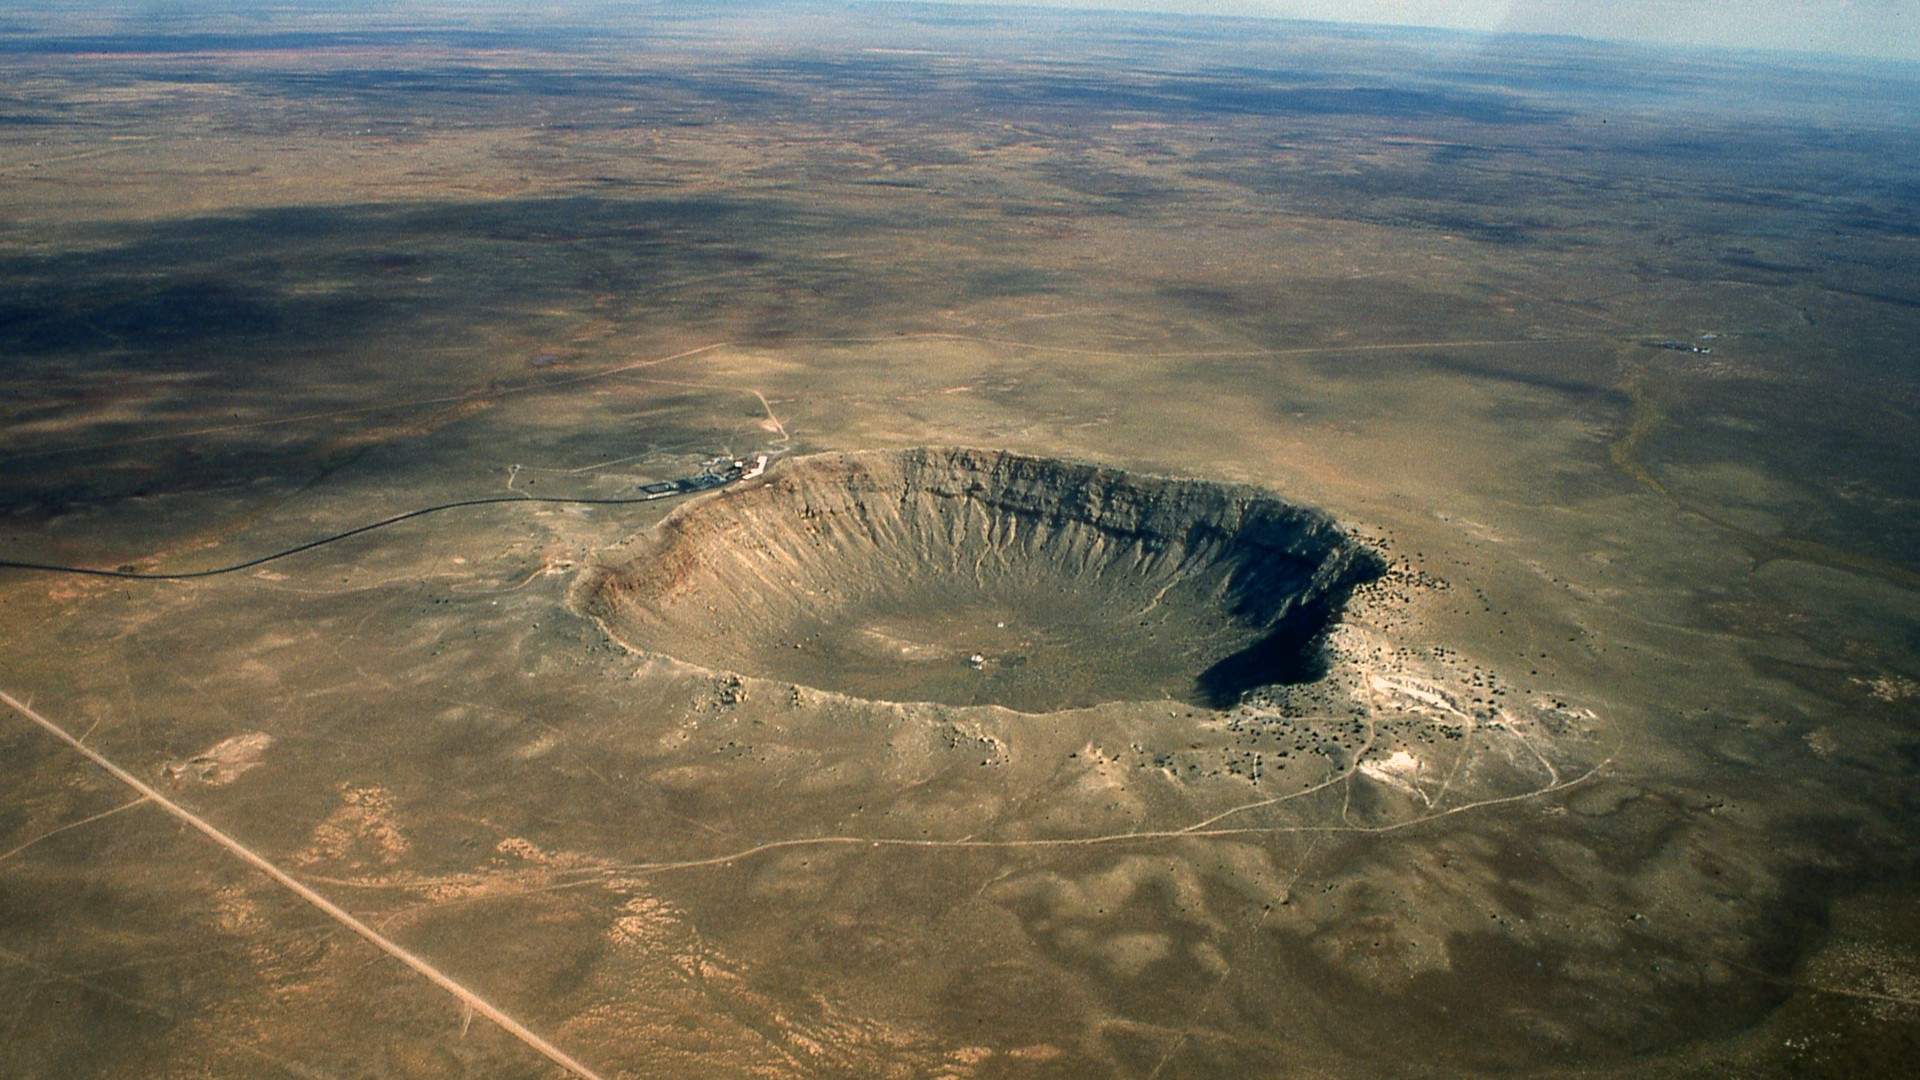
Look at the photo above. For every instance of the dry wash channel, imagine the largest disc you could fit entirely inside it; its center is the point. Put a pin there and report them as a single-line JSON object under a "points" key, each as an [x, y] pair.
{"points": [[972, 577]]}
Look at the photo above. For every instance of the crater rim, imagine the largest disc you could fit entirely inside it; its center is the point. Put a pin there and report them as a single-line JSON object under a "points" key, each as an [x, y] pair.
{"points": [[1237, 586]]}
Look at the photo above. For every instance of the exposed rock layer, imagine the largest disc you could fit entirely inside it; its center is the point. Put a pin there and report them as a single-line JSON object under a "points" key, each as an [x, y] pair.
{"points": [[974, 577]]}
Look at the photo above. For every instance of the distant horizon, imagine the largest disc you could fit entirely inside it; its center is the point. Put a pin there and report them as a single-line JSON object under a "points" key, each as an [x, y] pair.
{"points": [[1884, 30], [1861, 29]]}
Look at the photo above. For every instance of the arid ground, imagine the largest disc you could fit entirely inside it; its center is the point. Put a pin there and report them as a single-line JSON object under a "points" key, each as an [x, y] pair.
{"points": [[1607, 355]]}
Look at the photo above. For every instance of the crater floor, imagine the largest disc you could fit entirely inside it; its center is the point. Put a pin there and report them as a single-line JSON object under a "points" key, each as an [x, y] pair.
{"points": [[975, 577]]}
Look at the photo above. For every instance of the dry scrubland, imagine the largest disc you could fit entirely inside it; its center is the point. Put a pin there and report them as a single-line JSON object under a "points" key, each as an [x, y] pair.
{"points": [[913, 765]]}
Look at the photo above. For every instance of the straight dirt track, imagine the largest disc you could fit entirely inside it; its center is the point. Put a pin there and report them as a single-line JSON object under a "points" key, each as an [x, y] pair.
{"points": [[333, 911]]}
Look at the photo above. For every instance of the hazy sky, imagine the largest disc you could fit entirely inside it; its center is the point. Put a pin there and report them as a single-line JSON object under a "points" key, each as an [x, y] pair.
{"points": [[1861, 27]]}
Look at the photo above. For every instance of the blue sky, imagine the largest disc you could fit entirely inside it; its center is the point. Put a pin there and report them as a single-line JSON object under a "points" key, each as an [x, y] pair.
{"points": [[1885, 28]]}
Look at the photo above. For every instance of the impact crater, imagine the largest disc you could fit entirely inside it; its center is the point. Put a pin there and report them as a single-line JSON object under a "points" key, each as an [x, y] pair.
{"points": [[981, 577]]}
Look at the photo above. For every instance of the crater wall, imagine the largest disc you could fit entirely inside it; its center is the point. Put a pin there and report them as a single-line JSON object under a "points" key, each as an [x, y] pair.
{"points": [[976, 577]]}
